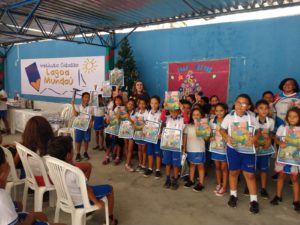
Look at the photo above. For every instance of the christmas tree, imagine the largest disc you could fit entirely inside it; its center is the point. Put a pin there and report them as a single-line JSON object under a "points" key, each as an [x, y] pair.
{"points": [[189, 85], [127, 63]]}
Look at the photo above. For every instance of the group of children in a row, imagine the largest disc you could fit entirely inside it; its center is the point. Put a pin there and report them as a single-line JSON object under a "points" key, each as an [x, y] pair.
{"points": [[227, 165]]}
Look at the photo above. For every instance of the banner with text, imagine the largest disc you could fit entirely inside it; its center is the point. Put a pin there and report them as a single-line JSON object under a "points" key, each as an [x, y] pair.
{"points": [[58, 77]]}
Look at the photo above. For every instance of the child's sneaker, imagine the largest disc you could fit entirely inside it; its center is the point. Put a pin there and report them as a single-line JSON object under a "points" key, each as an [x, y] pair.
{"points": [[199, 187], [264, 194], [189, 184], [106, 161], [167, 184], [117, 161], [276, 200], [157, 174], [138, 168], [78, 158], [174, 184], [148, 172], [221, 192], [86, 156], [218, 187], [296, 206], [128, 168], [232, 201], [143, 170], [254, 207]]}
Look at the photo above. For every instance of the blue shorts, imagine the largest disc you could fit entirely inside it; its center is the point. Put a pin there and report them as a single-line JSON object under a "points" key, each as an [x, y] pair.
{"points": [[196, 157], [98, 123], [154, 149], [218, 157], [171, 158], [141, 142], [22, 216], [3, 114], [100, 191], [262, 163], [240, 161], [82, 135]]}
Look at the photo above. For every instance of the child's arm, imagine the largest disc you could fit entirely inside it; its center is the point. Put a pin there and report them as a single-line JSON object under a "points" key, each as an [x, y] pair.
{"points": [[75, 113], [163, 116], [92, 197], [184, 142], [225, 136], [186, 118], [32, 217]]}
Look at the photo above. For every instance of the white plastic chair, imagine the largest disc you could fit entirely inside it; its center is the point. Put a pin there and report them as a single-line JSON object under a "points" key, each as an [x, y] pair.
{"points": [[57, 172], [13, 179], [28, 157], [68, 118]]}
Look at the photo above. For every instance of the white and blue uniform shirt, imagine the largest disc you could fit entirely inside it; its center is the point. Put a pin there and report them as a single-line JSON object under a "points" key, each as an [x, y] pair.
{"points": [[7, 209], [81, 109], [177, 123], [154, 116], [139, 114], [99, 111], [193, 144], [269, 124]]}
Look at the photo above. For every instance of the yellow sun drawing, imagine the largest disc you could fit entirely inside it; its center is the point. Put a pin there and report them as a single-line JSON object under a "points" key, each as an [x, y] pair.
{"points": [[89, 65]]}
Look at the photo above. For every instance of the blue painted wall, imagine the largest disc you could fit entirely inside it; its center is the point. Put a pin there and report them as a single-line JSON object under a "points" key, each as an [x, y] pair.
{"points": [[262, 53], [47, 49]]}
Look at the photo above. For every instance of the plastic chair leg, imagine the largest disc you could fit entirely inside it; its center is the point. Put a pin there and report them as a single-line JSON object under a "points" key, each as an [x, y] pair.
{"points": [[106, 212], [25, 194], [38, 200], [57, 211]]}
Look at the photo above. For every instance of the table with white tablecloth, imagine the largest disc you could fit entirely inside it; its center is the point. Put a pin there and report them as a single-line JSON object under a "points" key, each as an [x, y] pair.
{"points": [[18, 117]]}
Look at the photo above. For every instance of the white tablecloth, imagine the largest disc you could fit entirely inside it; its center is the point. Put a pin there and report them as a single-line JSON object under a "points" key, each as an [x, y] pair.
{"points": [[18, 117]]}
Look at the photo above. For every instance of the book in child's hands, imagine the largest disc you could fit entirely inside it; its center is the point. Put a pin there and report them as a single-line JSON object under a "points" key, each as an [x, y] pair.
{"points": [[113, 126], [171, 139], [240, 133], [261, 141], [82, 122], [151, 131], [123, 113], [203, 128], [106, 90], [218, 145], [172, 100], [116, 77], [290, 155], [126, 129], [138, 128], [94, 99]]}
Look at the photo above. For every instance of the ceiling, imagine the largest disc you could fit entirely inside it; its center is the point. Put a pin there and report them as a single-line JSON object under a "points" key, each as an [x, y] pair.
{"points": [[30, 20]]}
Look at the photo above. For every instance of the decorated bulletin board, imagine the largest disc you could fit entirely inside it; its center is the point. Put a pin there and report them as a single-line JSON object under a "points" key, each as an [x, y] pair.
{"points": [[210, 76], [57, 77]]}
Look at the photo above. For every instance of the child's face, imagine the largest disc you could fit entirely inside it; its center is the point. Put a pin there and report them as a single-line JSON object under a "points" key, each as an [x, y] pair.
{"points": [[196, 115], [214, 101], [268, 97], [241, 106], [186, 108], [293, 118], [263, 110], [174, 113], [130, 105], [188, 98], [289, 87], [118, 102], [4, 172], [139, 86], [212, 111], [85, 99], [142, 105], [154, 104], [220, 112], [100, 100]]}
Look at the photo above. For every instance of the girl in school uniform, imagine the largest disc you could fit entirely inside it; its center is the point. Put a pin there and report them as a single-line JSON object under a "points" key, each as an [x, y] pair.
{"points": [[141, 115], [99, 112], [292, 119], [195, 148], [219, 156], [153, 150]]}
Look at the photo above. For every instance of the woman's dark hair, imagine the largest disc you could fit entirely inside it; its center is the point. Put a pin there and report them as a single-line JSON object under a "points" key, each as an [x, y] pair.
{"points": [[117, 97], [213, 96], [192, 97], [261, 102], [60, 146], [2, 156], [38, 132], [205, 99], [267, 92], [141, 99], [296, 110], [249, 101], [296, 89], [223, 105], [85, 93], [191, 121], [155, 97]]}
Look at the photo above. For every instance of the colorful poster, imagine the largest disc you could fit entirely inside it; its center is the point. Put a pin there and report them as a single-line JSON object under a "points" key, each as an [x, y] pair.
{"points": [[94, 99], [171, 139], [172, 100], [203, 128], [126, 130], [291, 153], [56, 77], [82, 122], [113, 126], [151, 131], [218, 145], [240, 133], [106, 90], [261, 141], [138, 128], [116, 77], [209, 76]]}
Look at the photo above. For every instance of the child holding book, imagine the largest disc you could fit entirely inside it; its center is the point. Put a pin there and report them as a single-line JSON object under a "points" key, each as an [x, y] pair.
{"points": [[264, 143], [153, 150], [61, 148], [293, 120], [140, 117], [238, 161], [218, 149], [99, 112], [80, 135], [195, 148]]}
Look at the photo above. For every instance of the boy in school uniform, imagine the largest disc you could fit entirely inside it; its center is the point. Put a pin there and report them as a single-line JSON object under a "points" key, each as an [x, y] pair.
{"points": [[80, 135]]}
